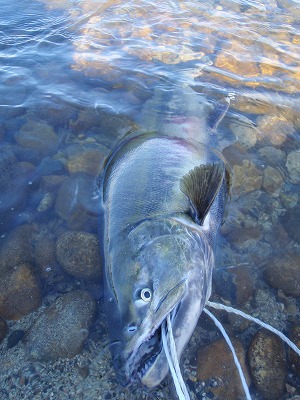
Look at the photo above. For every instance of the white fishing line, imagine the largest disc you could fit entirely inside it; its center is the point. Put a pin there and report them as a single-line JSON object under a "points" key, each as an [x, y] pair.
{"points": [[236, 361], [219, 306], [171, 354]]}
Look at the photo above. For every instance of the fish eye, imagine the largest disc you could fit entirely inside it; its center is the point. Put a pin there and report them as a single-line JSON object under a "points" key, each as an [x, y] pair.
{"points": [[146, 295]]}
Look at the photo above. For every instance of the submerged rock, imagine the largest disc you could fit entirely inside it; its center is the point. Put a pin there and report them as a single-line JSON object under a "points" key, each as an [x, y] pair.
{"points": [[268, 364], [38, 136], [16, 248], [3, 329], [20, 292], [284, 273], [86, 159], [275, 129], [9, 168], [272, 156], [78, 254], [62, 329], [230, 59], [13, 188], [293, 166], [246, 134], [75, 202], [291, 223], [272, 180], [246, 178], [294, 357], [215, 362]]}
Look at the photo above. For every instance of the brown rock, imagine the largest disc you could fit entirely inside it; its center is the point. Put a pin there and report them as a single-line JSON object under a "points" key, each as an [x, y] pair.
{"points": [[75, 203], [87, 160], [20, 292], [3, 329], [244, 283], [284, 273], [37, 136], [246, 134], [246, 178], [272, 156], [272, 180], [230, 60], [291, 219], [235, 154], [294, 357], [78, 254], [267, 364], [215, 362], [293, 166], [239, 236], [62, 329], [275, 129], [16, 248]]}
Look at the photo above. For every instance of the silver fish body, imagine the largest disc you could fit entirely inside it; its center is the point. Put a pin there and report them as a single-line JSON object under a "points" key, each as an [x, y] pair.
{"points": [[163, 200]]}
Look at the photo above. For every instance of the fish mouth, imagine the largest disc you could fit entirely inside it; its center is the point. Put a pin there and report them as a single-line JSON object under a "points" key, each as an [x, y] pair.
{"points": [[148, 363], [153, 347]]}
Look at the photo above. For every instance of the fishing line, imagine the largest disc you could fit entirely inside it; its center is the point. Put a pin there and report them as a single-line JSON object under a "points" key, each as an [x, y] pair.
{"points": [[219, 306], [172, 359], [236, 361]]}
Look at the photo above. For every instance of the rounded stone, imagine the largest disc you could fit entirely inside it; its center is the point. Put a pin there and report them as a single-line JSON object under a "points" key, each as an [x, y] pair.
{"points": [[13, 188], [37, 136], [78, 254], [244, 284], [275, 129], [20, 292], [290, 221], [284, 273], [86, 159], [272, 156], [215, 362], [3, 329], [75, 202], [246, 135], [294, 357], [62, 329], [9, 168], [268, 364], [16, 248], [272, 180], [293, 166], [246, 178]]}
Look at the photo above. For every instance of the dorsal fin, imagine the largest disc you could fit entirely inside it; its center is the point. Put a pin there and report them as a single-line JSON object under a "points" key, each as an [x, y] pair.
{"points": [[201, 186]]}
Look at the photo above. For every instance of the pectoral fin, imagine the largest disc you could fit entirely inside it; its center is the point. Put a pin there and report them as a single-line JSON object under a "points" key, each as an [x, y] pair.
{"points": [[201, 186]]}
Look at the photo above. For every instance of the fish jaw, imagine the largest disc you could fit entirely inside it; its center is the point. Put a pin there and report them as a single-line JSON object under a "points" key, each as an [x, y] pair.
{"points": [[144, 356], [146, 360]]}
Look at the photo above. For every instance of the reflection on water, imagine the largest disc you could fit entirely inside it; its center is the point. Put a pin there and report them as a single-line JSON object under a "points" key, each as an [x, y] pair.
{"points": [[75, 77]]}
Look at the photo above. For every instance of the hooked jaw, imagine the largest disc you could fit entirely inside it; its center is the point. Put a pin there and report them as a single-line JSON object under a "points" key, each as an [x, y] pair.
{"points": [[147, 363]]}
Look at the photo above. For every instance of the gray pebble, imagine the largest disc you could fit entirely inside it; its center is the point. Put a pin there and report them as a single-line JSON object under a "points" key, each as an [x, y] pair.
{"points": [[62, 329]]}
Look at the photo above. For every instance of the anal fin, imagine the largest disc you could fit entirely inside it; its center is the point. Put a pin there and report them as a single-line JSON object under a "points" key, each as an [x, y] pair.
{"points": [[201, 185]]}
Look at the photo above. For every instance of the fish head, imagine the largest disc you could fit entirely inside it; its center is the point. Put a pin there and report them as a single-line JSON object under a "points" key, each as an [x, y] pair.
{"points": [[162, 269]]}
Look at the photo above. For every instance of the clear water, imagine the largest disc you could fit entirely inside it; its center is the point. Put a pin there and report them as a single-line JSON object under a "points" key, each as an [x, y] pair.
{"points": [[76, 76]]}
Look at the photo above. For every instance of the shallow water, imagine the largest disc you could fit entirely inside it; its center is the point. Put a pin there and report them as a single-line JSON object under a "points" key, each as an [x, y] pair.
{"points": [[78, 75]]}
